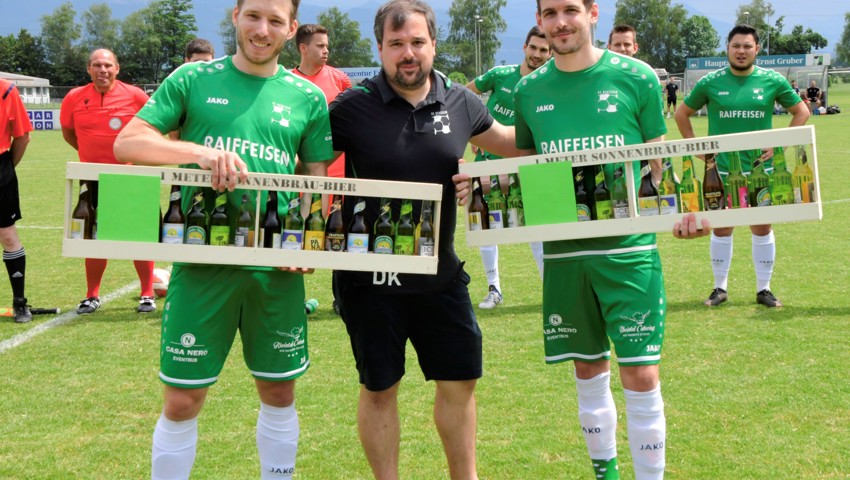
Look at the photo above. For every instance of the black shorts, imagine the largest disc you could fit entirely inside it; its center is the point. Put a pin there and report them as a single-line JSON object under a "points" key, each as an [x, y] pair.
{"points": [[441, 327], [671, 101], [10, 204]]}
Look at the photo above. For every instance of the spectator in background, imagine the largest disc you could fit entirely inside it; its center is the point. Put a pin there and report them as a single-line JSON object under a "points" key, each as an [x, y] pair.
{"points": [[14, 137], [623, 40], [814, 95], [671, 89], [91, 118], [795, 87], [199, 50]]}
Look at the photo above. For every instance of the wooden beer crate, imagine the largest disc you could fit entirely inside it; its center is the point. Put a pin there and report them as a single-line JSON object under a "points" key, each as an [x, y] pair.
{"points": [[780, 137], [253, 255]]}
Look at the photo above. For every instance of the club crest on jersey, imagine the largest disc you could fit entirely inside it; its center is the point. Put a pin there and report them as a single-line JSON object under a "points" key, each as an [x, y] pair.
{"points": [[281, 114], [758, 94], [442, 123], [607, 102], [115, 123]]}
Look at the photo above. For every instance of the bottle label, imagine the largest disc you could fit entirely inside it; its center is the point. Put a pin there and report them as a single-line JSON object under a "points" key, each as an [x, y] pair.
{"points": [[690, 202], [275, 239], [335, 242], [383, 245], [605, 210], [497, 221], [669, 204], [219, 235], [583, 212], [172, 233], [426, 247], [292, 240], [475, 222], [804, 193], [403, 245], [763, 198], [78, 226], [648, 206], [514, 218], [244, 237], [358, 243], [738, 198], [314, 240], [621, 209], [175, 196], [196, 235], [714, 201]]}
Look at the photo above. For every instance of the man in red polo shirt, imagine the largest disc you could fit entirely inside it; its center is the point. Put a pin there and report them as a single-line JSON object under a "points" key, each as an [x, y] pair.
{"points": [[91, 117], [15, 128]]}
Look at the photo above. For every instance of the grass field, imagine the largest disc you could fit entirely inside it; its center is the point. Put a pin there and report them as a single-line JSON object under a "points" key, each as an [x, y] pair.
{"points": [[750, 393]]}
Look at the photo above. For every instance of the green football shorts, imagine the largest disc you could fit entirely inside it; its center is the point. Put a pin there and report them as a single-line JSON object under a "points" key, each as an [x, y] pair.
{"points": [[590, 299], [205, 307]]}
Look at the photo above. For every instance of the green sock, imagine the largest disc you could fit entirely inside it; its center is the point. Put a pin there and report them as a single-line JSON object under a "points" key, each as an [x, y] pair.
{"points": [[606, 469]]}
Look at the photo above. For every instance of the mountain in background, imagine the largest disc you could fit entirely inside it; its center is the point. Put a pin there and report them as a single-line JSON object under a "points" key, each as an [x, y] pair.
{"points": [[819, 15]]}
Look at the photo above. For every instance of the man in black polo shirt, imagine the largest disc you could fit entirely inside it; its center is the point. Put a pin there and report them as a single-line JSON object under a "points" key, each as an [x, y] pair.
{"points": [[410, 123]]}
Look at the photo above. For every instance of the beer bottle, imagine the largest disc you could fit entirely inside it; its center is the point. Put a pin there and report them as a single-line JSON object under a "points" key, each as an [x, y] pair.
{"points": [[244, 236], [405, 230], [690, 190], [358, 234], [293, 226], [668, 190], [270, 233], [647, 193], [219, 222], [384, 229], [603, 206], [619, 194], [197, 232], [759, 183], [516, 213], [496, 205], [478, 217], [804, 187], [173, 220], [314, 233], [83, 217], [426, 231], [781, 181], [738, 194], [334, 228], [582, 197], [713, 193]]}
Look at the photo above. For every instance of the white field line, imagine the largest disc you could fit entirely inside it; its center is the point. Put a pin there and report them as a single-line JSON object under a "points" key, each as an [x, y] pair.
{"points": [[61, 319]]}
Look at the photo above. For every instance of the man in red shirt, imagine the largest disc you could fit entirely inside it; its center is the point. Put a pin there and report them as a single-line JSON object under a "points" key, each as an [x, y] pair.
{"points": [[312, 42], [14, 136], [91, 117]]}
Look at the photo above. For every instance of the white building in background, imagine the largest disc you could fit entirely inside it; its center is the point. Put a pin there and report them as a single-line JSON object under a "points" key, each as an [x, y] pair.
{"points": [[33, 90]]}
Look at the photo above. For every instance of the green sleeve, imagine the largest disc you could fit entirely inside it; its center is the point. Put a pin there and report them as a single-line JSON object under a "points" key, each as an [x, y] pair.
{"points": [[316, 144]]}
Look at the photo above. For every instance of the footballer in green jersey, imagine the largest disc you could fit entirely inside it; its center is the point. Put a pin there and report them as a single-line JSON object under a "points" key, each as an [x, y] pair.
{"points": [[740, 98]]}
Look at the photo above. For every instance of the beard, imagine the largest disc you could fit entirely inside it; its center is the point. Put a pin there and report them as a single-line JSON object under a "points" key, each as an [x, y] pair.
{"points": [[740, 68], [242, 42], [565, 49], [399, 79]]}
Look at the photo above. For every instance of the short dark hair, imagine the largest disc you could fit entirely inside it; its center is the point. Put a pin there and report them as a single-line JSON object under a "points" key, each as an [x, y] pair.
{"points": [[587, 4], [743, 30], [398, 11], [534, 32], [305, 33], [199, 45], [622, 28], [294, 3]]}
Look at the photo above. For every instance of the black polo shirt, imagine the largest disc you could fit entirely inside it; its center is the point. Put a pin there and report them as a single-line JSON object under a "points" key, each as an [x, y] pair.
{"points": [[386, 138]]}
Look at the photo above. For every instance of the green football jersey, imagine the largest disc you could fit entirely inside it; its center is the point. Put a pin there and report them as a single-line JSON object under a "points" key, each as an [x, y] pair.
{"points": [[612, 103], [741, 104], [266, 121], [500, 82]]}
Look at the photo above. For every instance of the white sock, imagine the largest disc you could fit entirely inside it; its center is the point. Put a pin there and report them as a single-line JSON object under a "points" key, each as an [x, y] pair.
{"points": [[174, 447], [597, 415], [721, 259], [764, 254], [647, 430], [537, 253], [277, 441], [490, 259]]}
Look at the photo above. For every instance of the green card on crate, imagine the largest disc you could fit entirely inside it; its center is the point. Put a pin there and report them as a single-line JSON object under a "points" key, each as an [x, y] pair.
{"points": [[548, 195], [128, 207]]}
